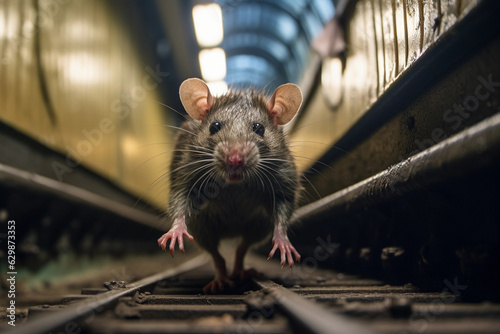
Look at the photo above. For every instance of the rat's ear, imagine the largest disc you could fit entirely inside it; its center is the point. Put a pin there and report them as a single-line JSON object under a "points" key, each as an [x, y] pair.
{"points": [[195, 97], [284, 103]]}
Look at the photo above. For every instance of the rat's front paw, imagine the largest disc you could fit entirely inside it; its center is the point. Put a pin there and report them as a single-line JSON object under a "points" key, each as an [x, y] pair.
{"points": [[286, 249], [218, 285], [176, 233]]}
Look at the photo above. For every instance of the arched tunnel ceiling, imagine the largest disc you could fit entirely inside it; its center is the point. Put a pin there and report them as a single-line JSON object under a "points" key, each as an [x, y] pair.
{"points": [[267, 41]]}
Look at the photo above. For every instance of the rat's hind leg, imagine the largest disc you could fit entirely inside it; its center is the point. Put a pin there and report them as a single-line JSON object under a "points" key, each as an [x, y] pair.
{"points": [[238, 272], [221, 280]]}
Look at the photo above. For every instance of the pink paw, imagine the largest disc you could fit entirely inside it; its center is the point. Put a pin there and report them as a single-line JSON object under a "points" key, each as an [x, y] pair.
{"points": [[176, 233], [218, 284], [286, 249]]}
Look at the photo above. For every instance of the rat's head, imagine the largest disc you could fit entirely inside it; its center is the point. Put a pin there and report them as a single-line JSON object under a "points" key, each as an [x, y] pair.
{"points": [[240, 129]]}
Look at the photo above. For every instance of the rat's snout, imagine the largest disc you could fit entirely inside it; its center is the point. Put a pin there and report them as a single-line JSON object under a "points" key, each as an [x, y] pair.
{"points": [[236, 158], [235, 161]]}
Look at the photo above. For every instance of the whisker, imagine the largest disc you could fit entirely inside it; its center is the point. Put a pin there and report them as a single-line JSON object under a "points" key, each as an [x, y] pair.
{"points": [[178, 128], [279, 172], [312, 186], [186, 117], [152, 144], [149, 159], [194, 184], [306, 125], [171, 151], [271, 172], [200, 148], [199, 169], [193, 151], [257, 175], [185, 177], [272, 188], [314, 160], [274, 159], [154, 183], [169, 107], [324, 144], [292, 143], [206, 181]]}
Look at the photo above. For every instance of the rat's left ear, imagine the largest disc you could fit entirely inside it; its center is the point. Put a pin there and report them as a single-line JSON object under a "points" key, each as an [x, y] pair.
{"points": [[284, 103]]}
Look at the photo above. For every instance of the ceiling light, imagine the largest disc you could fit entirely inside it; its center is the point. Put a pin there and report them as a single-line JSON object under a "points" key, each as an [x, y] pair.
{"points": [[208, 24], [217, 88], [213, 64], [331, 80]]}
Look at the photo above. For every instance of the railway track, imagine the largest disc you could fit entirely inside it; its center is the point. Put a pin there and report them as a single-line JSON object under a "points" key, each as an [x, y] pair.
{"points": [[305, 300], [453, 283]]}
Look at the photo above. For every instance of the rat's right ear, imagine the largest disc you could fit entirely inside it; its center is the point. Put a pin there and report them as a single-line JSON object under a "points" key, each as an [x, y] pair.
{"points": [[195, 97], [284, 103]]}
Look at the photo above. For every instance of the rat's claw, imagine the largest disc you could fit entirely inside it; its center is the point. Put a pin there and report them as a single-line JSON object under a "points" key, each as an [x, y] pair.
{"points": [[283, 251], [180, 240], [295, 253], [286, 250], [218, 284], [189, 236], [162, 241], [176, 234], [172, 245], [289, 251], [271, 253]]}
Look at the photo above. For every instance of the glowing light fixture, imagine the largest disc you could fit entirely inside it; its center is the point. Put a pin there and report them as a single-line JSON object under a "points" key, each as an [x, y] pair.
{"points": [[331, 80], [208, 24], [84, 68], [213, 64], [217, 88]]}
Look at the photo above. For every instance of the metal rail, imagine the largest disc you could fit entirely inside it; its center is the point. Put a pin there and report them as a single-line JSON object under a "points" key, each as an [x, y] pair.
{"points": [[171, 302], [47, 323], [310, 315], [19, 179], [470, 150]]}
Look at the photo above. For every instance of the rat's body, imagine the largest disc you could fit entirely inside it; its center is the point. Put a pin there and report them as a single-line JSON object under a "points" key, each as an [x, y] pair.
{"points": [[232, 174]]}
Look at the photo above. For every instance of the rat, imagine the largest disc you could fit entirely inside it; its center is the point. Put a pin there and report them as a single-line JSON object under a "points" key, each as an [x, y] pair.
{"points": [[233, 175]]}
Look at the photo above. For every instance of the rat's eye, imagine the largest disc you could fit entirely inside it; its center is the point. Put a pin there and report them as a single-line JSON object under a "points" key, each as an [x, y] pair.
{"points": [[258, 129], [215, 127]]}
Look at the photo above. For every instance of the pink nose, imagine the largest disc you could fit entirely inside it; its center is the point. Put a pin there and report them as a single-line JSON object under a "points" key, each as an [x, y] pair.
{"points": [[235, 159]]}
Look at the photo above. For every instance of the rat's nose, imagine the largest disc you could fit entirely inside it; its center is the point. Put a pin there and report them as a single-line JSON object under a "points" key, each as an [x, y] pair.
{"points": [[235, 159]]}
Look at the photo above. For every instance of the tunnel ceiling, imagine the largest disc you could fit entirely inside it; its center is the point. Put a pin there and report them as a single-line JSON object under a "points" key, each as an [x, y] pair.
{"points": [[266, 42]]}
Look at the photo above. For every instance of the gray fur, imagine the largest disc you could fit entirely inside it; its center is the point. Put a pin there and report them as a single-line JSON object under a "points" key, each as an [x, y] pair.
{"points": [[215, 208]]}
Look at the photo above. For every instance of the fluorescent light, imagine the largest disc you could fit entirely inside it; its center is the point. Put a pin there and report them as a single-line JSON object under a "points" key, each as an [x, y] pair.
{"points": [[213, 64], [208, 24], [84, 68], [217, 88], [331, 80]]}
